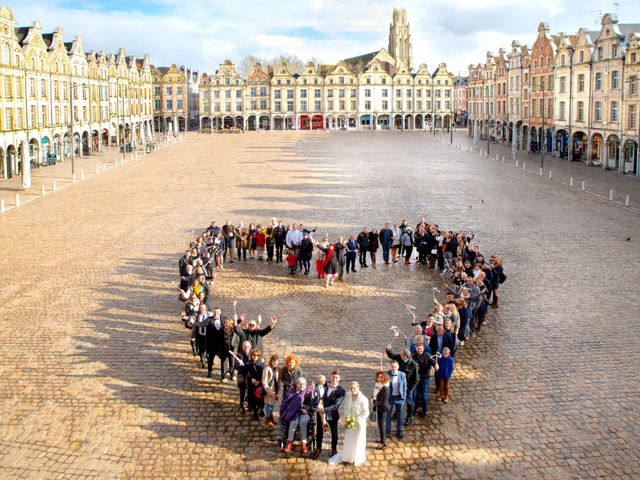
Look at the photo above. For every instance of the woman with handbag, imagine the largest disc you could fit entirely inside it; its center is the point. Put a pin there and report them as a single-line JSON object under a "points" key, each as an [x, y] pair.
{"points": [[271, 384], [255, 388]]}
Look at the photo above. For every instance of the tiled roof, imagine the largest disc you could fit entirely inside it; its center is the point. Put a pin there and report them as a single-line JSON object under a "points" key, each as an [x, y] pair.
{"points": [[22, 33]]}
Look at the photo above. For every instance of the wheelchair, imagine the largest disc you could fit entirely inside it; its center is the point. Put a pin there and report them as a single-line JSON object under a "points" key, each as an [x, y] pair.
{"points": [[283, 433]]}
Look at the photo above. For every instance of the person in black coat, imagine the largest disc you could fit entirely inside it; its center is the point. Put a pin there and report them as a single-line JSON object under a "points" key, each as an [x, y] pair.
{"points": [[374, 243], [248, 330], [183, 262], [306, 252], [410, 369], [255, 390], [226, 341], [279, 236], [242, 360], [380, 400], [329, 406], [441, 339], [212, 333], [420, 241], [363, 246]]}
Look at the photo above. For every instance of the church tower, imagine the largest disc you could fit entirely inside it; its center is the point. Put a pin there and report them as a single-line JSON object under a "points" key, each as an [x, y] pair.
{"points": [[400, 38]]}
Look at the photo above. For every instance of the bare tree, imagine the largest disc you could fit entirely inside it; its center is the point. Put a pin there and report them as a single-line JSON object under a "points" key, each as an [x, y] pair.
{"points": [[246, 65], [293, 62]]}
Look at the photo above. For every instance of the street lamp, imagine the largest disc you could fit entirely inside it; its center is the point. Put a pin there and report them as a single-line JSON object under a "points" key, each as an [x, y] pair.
{"points": [[543, 137], [73, 87], [488, 132]]}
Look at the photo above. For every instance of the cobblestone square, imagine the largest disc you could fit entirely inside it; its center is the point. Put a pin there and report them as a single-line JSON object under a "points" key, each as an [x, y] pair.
{"points": [[98, 381]]}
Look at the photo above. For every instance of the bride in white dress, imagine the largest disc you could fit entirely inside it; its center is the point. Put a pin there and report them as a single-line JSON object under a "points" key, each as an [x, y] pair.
{"points": [[354, 449]]}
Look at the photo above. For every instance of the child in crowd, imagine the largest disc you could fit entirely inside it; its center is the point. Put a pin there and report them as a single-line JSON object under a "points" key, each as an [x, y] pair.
{"points": [[292, 262], [444, 370]]}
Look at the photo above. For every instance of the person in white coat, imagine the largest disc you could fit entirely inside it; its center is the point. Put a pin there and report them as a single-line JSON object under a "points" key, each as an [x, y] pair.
{"points": [[354, 449]]}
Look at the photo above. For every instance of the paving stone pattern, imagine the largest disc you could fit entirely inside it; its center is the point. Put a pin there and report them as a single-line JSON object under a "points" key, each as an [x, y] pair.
{"points": [[96, 376]]}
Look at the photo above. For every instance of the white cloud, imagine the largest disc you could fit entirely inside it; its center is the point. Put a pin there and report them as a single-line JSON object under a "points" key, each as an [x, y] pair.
{"points": [[203, 33]]}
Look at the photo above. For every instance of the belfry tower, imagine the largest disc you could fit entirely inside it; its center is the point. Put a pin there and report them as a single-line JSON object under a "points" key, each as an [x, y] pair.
{"points": [[400, 38]]}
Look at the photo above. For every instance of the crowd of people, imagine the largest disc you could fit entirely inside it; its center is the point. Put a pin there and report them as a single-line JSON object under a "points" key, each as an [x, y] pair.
{"points": [[400, 392]]}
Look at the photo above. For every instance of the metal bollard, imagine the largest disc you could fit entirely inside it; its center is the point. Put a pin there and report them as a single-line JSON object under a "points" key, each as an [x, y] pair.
{"points": [[584, 185], [43, 190], [611, 195], [626, 201], [54, 186], [17, 199], [571, 182], [81, 174]]}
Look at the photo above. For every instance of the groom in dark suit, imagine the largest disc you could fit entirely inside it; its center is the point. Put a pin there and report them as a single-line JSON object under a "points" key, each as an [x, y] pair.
{"points": [[331, 395]]}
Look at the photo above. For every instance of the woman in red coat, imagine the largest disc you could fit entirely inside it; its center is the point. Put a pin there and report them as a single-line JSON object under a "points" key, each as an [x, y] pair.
{"points": [[261, 241]]}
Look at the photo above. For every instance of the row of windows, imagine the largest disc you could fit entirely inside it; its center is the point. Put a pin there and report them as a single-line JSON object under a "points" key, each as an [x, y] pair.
{"points": [[12, 87], [408, 105], [39, 116]]}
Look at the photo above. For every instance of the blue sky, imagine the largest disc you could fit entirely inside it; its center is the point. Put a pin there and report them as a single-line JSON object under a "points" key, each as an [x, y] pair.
{"points": [[203, 33]]}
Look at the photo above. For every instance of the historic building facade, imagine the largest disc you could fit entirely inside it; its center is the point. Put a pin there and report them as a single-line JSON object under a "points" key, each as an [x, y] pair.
{"points": [[170, 100], [573, 96], [377, 90], [58, 100]]}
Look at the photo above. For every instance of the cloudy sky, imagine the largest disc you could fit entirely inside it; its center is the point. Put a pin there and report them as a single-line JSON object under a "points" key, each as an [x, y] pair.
{"points": [[202, 33]]}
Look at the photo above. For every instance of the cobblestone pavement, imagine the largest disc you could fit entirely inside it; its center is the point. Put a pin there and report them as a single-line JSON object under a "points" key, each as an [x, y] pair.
{"points": [[96, 377], [597, 180], [45, 176]]}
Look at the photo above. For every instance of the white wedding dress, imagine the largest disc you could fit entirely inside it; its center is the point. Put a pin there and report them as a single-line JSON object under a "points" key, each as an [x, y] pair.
{"points": [[354, 449]]}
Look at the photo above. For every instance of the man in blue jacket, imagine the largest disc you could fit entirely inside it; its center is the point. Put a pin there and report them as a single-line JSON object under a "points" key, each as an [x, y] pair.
{"points": [[386, 240], [398, 390]]}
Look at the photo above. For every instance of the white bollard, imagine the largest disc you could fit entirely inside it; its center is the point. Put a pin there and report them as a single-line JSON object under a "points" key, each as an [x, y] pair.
{"points": [[497, 157], [81, 174], [73, 178], [1, 206], [584, 185], [97, 169], [116, 162], [43, 190], [516, 163], [502, 158], [549, 173], [17, 199], [626, 201], [524, 165], [571, 182], [104, 166], [54, 186], [611, 195]]}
